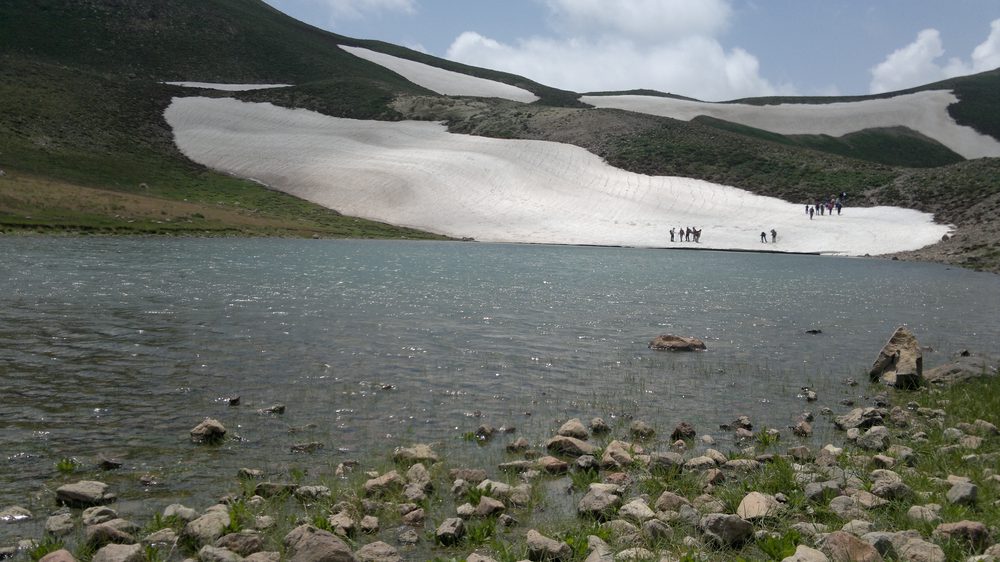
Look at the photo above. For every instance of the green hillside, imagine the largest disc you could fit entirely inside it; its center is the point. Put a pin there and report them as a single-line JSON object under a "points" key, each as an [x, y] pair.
{"points": [[82, 98]]}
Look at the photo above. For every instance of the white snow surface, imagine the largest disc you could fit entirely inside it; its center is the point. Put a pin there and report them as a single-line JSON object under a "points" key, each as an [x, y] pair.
{"points": [[444, 82], [925, 112], [417, 174], [227, 87]]}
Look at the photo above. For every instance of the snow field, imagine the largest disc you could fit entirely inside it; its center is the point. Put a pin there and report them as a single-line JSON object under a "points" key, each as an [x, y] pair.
{"points": [[925, 112], [416, 174], [444, 82]]}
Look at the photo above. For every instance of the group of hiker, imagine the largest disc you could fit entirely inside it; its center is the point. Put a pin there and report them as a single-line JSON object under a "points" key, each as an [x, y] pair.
{"points": [[688, 234], [827, 207], [774, 237]]}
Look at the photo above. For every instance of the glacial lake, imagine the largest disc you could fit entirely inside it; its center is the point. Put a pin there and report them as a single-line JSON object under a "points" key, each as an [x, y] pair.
{"points": [[119, 346]]}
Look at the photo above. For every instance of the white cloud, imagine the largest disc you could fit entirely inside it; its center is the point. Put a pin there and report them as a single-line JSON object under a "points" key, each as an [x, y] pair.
{"points": [[648, 20], [667, 45], [917, 63]]}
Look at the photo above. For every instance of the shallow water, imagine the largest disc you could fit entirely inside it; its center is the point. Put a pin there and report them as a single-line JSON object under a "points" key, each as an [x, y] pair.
{"points": [[120, 346]]}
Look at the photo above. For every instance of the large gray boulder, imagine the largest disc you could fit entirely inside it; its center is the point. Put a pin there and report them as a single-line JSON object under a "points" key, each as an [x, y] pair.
{"points": [[574, 428], [306, 543], [378, 552], [415, 453], [541, 547], [120, 553], [805, 554], [85, 493], [841, 545], [570, 446], [205, 530], [601, 501], [208, 431], [450, 531], [900, 363], [960, 370]]}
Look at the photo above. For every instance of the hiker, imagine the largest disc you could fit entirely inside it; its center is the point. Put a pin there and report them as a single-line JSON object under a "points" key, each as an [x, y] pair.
{"points": [[774, 235], [839, 207], [811, 211], [671, 235], [763, 238], [697, 234], [807, 209], [680, 234], [687, 234]]}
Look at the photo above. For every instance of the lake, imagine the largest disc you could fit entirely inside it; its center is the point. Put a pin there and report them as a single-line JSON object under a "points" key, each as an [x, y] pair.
{"points": [[119, 346]]}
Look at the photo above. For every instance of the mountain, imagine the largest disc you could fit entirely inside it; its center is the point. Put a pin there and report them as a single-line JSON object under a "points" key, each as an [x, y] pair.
{"points": [[85, 146]]}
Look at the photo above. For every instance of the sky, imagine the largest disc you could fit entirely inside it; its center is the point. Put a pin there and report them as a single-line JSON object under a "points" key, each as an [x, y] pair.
{"points": [[713, 50]]}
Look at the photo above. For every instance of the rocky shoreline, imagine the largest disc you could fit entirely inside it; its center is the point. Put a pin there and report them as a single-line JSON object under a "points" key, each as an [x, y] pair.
{"points": [[915, 479]]}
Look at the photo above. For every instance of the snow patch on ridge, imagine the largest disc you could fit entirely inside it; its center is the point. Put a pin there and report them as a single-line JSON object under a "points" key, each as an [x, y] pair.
{"points": [[228, 87], [417, 174], [925, 112], [444, 82]]}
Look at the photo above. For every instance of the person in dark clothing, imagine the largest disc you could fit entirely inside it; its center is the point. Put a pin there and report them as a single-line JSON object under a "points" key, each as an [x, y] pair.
{"points": [[774, 235], [763, 238]]}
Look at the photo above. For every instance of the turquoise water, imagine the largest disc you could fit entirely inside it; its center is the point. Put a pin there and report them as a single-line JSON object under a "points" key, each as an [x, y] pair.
{"points": [[120, 346]]}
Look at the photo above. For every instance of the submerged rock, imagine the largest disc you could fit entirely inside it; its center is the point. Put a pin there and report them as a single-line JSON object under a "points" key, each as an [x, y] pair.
{"points": [[85, 493], [670, 342]]}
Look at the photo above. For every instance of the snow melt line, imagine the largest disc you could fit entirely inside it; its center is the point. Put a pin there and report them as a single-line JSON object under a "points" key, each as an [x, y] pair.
{"points": [[417, 174], [925, 112], [444, 82]]}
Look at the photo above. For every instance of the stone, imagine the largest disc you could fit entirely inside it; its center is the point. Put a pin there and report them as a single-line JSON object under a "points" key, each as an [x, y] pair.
{"points": [[963, 493], [598, 550], [669, 501], [415, 453], [102, 534], [857, 527], [930, 513], [599, 502], [207, 528], [699, 463], [485, 432], [889, 485], [61, 555], [14, 513], [725, 530], [802, 429], [378, 552], [208, 431], [641, 430], [598, 426], [569, 446], [971, 533], [742, 465], [860, 418], [819, 491], [670, 342], [636, 554], [805, 554], [164, 538], [684, 430], [85, 493], [868, 500], [383, 484], [875, 439], [518, 445], [665, 462], [810, 530], [553, 465], [541, 547], [636, 510], [476, 557], [450, 531], [415, 518], [306, 447], [217, 554], [617, 455], [960, 370], [272, 489], [312, 492], [574, 428], [59, 524], [275, 410], [900, 362], [756, 505], [883, 461], [369, 524], [119, 553], [306, 543], [489, 507], [656, 530], [918, 550], [471, 475], [250, 473], [243, 543], [883, 543], [845, 547], [98, 514], [180, 512], [846, 508]]}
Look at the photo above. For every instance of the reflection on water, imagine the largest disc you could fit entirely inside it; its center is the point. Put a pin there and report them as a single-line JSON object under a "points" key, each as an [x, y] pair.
{"points": [[121, 346]]}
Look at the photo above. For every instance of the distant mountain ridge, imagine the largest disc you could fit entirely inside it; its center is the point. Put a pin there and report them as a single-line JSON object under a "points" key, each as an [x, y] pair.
{"points": [[83, 98]]}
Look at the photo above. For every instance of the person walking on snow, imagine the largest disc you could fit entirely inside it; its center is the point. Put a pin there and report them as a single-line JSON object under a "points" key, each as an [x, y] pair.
{"points": [[774, 235], [763, 238], [671, 235]]}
